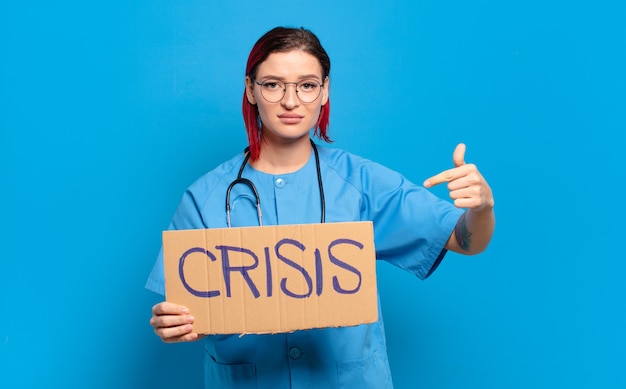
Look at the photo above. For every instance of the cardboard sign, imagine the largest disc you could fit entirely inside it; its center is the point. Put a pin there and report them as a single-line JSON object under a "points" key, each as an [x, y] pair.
{"points": [[274, 278]]}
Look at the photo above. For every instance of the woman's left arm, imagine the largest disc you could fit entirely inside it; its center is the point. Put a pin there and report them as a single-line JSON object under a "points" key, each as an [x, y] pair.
{"points": [[468, 189]]}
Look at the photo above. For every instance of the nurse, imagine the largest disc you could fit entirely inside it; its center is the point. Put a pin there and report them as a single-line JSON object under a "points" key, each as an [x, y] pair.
{"points": [[285, 99]]}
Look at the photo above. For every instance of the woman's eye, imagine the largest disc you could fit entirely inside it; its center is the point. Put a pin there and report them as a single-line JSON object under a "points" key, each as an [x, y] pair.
{"points": [[271, 85], [308, 86]]}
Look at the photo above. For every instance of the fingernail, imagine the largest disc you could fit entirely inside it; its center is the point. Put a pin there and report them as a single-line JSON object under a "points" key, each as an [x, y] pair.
{"points": [[190, 319], [185, 310]]}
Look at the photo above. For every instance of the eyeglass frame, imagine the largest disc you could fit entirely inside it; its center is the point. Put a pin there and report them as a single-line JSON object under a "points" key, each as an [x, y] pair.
{"points": [[321, 85]]}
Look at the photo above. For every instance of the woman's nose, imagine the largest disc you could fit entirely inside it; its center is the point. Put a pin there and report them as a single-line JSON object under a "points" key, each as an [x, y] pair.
{"points": [[290, 99]]}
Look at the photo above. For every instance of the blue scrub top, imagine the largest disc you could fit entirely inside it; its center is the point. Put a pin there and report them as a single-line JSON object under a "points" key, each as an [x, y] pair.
{"points": [[411, 227]]}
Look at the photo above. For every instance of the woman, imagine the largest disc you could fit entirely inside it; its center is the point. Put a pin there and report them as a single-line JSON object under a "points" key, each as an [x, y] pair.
{"points": [[285, 97]]}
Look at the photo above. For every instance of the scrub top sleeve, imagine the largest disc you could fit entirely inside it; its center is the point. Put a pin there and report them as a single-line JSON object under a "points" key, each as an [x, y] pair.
{"points": [[187, 217], [411, 225], [156, 280]]}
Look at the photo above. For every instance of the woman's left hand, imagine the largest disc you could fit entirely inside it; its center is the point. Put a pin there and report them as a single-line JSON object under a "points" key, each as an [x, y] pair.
{"points": [[468, 188]]}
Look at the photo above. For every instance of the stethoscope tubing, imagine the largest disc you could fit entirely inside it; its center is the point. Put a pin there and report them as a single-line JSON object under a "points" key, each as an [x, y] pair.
{"points": [[250, 184]]}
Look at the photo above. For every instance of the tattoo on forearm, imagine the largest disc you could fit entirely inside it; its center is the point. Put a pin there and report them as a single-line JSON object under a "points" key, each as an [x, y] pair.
{"points": [[462, 234]]}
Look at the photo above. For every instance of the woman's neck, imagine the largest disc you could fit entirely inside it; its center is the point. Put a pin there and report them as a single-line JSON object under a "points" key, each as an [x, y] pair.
{"points": [[282, 158]]}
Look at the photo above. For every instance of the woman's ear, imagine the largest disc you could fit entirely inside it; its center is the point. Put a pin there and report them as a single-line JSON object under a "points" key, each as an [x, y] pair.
{"points": [[325, 92], [250, 90]]}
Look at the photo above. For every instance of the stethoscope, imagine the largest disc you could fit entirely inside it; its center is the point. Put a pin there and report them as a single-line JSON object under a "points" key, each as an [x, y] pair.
{"points": [[245, 181]]}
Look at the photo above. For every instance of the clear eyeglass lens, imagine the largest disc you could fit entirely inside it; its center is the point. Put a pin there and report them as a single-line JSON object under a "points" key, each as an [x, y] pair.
{"points": [[307, 90]]}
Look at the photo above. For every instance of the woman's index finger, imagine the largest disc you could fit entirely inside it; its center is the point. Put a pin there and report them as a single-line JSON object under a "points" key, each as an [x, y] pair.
{"points": [[444, 176]]}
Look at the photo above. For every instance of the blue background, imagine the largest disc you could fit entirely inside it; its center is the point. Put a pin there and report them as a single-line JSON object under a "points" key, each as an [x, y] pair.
{"points": [[109, 110]]}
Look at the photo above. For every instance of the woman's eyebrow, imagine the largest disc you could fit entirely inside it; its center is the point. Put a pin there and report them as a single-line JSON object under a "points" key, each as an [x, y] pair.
{"points": [[302, 77]]}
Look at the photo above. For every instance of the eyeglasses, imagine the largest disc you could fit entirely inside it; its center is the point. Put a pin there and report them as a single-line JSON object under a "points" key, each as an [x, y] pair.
{"points": [[307, 90]]}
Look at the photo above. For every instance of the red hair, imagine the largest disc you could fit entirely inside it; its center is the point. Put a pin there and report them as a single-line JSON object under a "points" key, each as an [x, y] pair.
{"points": [[281, 39]]}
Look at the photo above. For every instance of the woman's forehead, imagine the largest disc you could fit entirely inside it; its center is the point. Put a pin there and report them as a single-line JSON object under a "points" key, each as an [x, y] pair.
{"points": [[294, 63]]}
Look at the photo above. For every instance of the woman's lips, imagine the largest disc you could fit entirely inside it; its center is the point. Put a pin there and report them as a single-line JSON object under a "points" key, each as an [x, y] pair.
{"points": [[290, 118]]}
